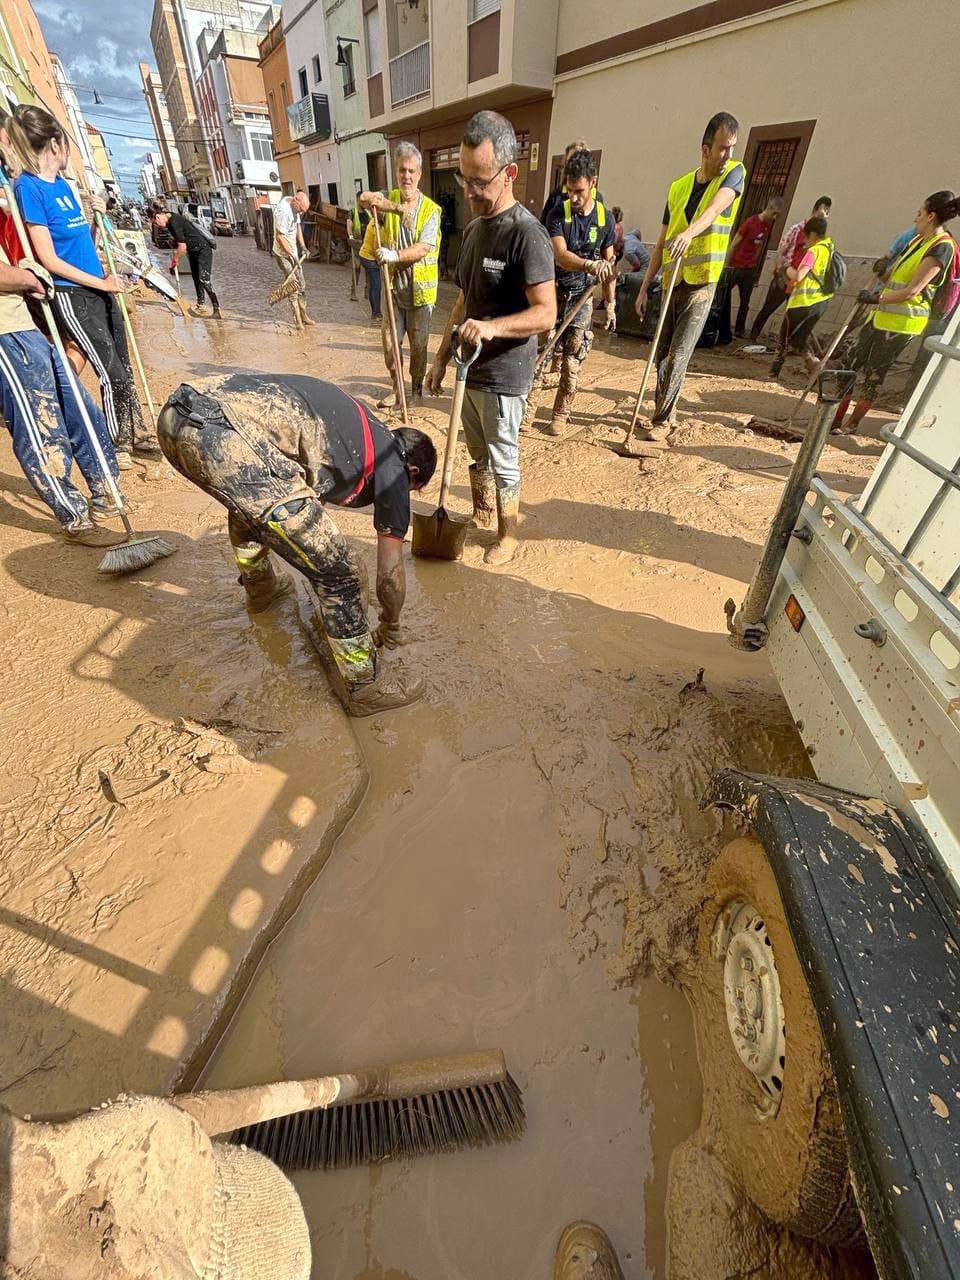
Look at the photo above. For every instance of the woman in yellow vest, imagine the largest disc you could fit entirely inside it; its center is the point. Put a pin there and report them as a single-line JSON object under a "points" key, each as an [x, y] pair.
{"points": [[808, 294], [903, 308], [408, 257]]}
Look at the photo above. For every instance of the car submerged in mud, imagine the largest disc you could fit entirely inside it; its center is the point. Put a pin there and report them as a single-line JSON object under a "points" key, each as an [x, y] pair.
{"points": [[830, 935]]}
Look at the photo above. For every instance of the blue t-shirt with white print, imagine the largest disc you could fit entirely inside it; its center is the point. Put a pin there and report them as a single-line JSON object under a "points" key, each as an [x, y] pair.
{"points": [[53, 205]]}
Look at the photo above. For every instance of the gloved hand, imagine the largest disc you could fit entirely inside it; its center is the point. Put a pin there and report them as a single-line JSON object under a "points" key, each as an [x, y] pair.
{"points": [[42, 274], [610, 324], [387, 256], [867, 296], [389, 635], [599, 268]]}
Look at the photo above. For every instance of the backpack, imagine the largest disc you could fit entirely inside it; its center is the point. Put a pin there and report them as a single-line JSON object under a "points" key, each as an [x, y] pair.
{"points": [[948, 295], [836, 273]]}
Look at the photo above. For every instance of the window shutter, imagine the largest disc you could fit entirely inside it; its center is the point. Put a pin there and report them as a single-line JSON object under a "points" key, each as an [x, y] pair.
{"points": [[483, 8]]}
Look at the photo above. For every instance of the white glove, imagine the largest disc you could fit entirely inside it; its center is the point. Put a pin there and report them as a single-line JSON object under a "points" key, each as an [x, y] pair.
{"points": [[387, 257], [610, 326]]}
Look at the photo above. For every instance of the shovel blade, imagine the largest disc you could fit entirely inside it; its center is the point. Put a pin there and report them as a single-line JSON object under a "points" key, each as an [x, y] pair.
{"points": [[439, 536]]}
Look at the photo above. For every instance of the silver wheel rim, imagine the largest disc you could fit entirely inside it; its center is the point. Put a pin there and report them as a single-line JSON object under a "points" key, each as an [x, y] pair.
{"points": [[751, 992]]}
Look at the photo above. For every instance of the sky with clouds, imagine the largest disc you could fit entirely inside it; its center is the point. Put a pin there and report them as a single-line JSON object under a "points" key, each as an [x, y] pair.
{"points": [[100, 44]]}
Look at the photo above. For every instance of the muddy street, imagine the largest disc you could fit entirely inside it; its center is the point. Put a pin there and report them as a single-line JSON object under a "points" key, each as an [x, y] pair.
{"points": [[209, 873]]}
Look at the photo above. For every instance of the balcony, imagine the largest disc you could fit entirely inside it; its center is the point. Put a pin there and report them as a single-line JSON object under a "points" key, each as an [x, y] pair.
{"points": [[309, 119], [410, 75]]}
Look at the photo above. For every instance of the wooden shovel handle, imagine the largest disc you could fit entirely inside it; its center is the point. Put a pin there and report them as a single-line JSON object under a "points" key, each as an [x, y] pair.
{"points": [[391, 324]]}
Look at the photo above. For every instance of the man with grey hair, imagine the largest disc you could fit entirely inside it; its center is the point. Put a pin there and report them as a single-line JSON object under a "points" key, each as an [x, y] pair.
{"points": [[507, 297], [408, 256]]}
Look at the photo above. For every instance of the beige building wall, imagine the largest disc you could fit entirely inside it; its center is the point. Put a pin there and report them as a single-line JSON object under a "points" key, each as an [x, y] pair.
{"points": [[877, 148]]}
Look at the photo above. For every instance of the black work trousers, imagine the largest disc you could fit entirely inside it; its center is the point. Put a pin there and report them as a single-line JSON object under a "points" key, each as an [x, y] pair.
{"points": [[743, 279], [94, 322], [201, 268], [776, 297]]}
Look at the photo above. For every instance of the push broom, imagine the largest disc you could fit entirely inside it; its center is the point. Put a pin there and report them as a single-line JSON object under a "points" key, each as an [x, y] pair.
{"points": [[367, 1116], [136, 553]]}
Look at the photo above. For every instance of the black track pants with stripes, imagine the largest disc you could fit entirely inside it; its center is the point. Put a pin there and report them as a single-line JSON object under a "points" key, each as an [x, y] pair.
{"points": [[94, 321]]}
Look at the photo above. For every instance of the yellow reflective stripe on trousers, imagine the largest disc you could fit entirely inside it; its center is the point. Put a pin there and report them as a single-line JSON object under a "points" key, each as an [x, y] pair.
{"points": [[278, 530]]}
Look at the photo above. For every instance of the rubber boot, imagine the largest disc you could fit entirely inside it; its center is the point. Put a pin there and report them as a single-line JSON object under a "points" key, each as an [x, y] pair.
{"points": [[551, 378], [836, 427], [508, 517], [263, 585], [302, 305], [370, 684], [484, 492], [584, 1252], [562, 405]]}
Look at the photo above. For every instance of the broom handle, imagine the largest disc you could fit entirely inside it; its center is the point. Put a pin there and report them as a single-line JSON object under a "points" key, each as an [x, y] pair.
{"points": [[664, 308], [101, 223], [224, 1110], [568, 321], [841, 333], [392, 323], [68, 367]]}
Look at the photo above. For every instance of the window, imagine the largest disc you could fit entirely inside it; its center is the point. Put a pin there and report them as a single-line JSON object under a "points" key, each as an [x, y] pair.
{"points": [[349, 82], [332, 193], [483, 8], [272, 106], [372, 32], [284, 94], [302, 77], [261, 144], [317, 74]]}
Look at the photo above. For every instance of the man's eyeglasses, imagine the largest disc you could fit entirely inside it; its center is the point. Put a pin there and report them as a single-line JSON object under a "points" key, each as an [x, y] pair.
{"points": [[479, 184]]}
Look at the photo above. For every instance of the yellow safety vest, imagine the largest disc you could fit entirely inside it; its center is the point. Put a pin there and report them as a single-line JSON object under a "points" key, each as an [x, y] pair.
{"points": [[425, 272], [601, 217], [811, 290], [703, 261], [910, 316], [357, 227]]}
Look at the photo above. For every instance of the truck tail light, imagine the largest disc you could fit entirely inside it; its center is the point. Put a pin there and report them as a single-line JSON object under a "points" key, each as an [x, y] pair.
{"points": [[794, 613]]}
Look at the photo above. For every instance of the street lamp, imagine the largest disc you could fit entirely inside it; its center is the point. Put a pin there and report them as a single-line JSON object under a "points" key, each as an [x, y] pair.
{"points": [[341, 56]]}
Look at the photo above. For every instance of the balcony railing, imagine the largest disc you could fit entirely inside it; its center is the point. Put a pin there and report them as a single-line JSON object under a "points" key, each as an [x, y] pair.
{"points": [[410, 75]]}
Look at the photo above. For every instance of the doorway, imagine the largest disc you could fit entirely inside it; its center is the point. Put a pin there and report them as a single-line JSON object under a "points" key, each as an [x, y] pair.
{"points": [[448, 194], [773, 159], [556, 170], [377, 170]]}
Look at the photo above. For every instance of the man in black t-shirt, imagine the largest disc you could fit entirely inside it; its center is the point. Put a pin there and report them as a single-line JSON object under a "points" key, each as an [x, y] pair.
{"points": [[276, 450], [583, 235], [190, 238], [507, 296]]}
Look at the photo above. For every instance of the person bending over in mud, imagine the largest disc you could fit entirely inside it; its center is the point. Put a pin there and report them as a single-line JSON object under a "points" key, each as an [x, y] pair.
{"points": [[276, 450]]}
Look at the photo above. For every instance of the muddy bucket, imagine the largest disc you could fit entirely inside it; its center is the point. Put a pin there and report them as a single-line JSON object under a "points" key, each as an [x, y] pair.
{"points": [[440, 535]]}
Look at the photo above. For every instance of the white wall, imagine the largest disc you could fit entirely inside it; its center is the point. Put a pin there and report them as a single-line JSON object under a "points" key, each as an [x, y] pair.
{"points": [[877, 148], [305, 35]]}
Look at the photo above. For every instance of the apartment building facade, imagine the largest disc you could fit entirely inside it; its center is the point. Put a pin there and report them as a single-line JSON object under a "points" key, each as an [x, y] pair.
{"points": [[173, 29], [233, 112], [429, 66], [170, 177], [362, 152], [309, 115], [275, 70], [810, 82]]}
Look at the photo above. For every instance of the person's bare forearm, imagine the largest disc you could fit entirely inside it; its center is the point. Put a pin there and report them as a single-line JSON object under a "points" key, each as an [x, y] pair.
{"points": [[412, 253], [523, 324], [610, 289], [16, 280], [567, 260], [391, 591]]}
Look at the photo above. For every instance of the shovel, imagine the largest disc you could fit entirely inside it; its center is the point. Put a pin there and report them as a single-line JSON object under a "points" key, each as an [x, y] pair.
{"points": [[441, 536]]}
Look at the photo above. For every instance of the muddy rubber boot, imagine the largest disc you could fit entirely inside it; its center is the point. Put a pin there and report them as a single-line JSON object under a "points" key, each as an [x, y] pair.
{"points": [[264, 586], [484, 492], [386, 692], [304, 318], [562, 406], [508, 517], [585, 1253]]}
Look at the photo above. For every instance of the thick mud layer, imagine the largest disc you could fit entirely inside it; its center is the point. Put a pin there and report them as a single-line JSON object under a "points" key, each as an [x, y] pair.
{"points": [[529, 855]]}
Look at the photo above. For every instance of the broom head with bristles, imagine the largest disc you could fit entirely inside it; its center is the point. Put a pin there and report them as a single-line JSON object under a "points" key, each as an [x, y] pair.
{"points": [[138, 553], [286, 290], [404, 1114]]}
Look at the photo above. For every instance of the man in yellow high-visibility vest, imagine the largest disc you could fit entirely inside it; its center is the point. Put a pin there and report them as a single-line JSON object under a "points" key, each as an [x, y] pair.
{"points": [[697, 220], [410, 244]]}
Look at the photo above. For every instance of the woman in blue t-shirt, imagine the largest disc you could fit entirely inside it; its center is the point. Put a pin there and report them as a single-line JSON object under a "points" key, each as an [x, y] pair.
{"points": [[84, 302]]}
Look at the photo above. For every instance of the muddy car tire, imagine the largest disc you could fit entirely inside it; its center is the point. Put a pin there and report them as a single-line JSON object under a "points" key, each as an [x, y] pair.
{"points": [[788, 1153]]}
